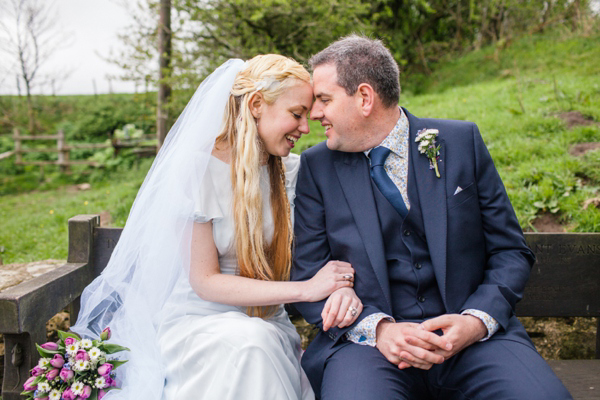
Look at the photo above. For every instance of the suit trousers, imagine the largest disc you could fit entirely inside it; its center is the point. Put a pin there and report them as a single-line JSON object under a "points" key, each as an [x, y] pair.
{"points": [[498, 369]]}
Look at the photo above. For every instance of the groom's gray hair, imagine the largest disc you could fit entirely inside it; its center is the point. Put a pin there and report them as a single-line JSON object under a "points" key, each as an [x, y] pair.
{"points": [[359, 59]]}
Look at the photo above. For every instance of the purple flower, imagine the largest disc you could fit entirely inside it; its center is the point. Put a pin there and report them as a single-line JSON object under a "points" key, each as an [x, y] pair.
{"points": [[69, 341], [57, 361], [105, 369], [28, 385], [49, 346], [82, 355], [87, 391], [37, 371], [66, 374], [52, 374], [68, 394], [101, 394], [105, 335]]}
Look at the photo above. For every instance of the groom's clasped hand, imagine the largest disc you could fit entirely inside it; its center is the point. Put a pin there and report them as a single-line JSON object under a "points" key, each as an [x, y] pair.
{"points": [[408, 344]]}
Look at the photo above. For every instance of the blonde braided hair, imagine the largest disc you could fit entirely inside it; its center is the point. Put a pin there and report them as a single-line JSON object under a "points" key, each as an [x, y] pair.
{"points": [[270, 74]]}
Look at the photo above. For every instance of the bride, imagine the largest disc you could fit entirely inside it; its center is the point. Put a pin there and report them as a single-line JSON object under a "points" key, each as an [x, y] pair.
{"points": [[196, 284]]}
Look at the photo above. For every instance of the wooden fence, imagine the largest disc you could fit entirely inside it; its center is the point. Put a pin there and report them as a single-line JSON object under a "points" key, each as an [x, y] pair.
{"points": [[64, 150]]}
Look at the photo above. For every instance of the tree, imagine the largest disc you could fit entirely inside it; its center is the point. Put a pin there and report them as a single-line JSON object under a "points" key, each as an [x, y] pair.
{"points": [[244, 28], [164, 64], [29, 38]]}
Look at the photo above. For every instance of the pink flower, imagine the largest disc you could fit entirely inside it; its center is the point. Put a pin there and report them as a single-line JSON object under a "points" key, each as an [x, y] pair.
{"points": [[57, 361], [87, 391], [49, 346], [68, 394], [106, 334], [82, 355], [37, 371], [101, 394], [105, 369], [52, 374], [28, 385], [66, 374], [69, 341]]}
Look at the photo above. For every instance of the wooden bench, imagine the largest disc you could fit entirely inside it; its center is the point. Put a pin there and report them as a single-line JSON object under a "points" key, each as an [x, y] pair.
{"points": [[565, 282]]}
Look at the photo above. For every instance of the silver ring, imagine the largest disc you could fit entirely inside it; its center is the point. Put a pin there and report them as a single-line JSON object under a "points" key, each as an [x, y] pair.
{"points": [[353, 311], [348, 277]]}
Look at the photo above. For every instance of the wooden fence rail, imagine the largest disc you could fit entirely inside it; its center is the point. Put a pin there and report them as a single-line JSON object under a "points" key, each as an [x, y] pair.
{"points": [[64, 150]]}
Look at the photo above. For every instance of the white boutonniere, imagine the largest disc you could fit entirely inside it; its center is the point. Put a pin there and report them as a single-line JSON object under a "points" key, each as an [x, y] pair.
{"points": [[426, 140]]}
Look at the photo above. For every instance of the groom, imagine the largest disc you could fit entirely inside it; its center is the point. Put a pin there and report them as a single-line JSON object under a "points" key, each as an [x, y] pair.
{"points": [[440, 260]]}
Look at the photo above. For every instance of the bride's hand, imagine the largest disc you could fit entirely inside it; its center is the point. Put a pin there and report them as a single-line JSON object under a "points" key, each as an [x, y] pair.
{"points": [[334, 275], [341, 309]]}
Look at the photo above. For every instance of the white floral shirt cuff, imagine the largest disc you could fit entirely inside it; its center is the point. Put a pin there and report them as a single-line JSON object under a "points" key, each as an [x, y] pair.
{"points": [[365, 332], [490, 323]]}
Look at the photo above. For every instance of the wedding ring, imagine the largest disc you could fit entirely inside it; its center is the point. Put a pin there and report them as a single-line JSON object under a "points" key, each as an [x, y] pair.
{"points": [[353, 311], [348, 277]]}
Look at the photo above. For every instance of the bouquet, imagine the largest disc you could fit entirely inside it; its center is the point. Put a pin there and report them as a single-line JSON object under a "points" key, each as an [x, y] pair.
{"points": [[74, 368]]}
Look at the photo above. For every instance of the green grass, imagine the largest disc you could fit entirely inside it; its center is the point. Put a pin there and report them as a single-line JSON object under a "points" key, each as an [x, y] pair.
{"points": [[515, 102], [517, 113], [34, 225]]}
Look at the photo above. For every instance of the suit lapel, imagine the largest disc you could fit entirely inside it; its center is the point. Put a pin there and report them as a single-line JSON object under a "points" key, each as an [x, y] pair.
{"points": [[353, 173], [432, 200]]}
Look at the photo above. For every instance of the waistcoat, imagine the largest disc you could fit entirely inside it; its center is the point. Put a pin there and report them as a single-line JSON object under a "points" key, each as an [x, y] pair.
{"points": [[413, 287]]}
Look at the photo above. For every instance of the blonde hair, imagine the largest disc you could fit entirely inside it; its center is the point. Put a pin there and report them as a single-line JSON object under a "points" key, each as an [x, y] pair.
{"points": [[270, 75]]}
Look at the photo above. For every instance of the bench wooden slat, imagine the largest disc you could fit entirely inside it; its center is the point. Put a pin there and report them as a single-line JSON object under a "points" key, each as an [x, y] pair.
{"points": [[565, 280]]}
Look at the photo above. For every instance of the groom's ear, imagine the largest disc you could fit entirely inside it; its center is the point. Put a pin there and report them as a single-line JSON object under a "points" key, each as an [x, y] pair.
{"points": [[365, 97], [255, 103]]}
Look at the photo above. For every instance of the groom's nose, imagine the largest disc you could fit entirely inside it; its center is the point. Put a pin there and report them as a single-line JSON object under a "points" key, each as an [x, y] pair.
{"points": [[316, 112]]}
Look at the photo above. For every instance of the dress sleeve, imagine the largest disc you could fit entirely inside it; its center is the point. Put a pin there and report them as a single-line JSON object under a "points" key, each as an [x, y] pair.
{"points": [[207, 207], [292, 165]]}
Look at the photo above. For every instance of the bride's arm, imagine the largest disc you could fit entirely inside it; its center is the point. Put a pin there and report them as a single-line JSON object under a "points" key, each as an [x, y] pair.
{"points": [[210, 284]]}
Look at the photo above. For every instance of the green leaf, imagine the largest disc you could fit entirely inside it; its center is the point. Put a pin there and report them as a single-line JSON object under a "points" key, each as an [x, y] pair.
{"points": [[111, 348], [117, 363], [63, 335], [45, 353], [94, 394]]}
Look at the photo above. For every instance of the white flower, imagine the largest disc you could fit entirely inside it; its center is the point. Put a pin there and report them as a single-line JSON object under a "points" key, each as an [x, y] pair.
{"points": [[81, 365], [72, 349], [77, 388], [44, 387], [86, 343], [100, 383], [95, 353], [55, 395], [43, 363]]}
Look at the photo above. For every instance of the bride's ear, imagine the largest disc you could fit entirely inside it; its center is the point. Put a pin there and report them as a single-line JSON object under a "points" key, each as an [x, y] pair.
{"points": [[255, 103]]}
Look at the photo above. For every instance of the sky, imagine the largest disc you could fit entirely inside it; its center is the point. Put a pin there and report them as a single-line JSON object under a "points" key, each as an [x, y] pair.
{"points": [[92, 27]]}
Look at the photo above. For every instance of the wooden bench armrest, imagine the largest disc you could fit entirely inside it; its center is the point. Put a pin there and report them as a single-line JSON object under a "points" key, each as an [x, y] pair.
{"points": [[29, 304]]}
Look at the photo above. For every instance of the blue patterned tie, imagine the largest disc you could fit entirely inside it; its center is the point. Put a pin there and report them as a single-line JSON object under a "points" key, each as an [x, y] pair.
{"points": [[383, 181]]}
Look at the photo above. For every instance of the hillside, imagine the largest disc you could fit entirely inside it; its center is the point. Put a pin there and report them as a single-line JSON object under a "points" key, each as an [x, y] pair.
{"points": [[536, 101]]}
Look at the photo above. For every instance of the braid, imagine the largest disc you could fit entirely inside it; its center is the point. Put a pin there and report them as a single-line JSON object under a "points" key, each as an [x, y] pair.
{"points": [[271, 75]]}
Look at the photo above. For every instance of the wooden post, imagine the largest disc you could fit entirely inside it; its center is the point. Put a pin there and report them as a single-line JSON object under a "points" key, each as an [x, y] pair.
{"points": [[164, 65], [17, 146], [63, 154]]}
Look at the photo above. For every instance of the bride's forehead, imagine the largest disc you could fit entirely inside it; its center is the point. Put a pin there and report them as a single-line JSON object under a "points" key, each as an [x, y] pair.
{"points": [[298, 93]]}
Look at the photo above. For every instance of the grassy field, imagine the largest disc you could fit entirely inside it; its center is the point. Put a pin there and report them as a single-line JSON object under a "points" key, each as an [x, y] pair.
{"points": [[516, 95]]}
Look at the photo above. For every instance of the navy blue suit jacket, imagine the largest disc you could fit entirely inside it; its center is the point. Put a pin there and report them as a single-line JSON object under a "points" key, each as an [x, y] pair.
{"points": [[476, 245]]}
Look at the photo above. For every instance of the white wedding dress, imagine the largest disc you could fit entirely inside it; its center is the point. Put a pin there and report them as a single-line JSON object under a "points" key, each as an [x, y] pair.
{"points": [[215, 351]]}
